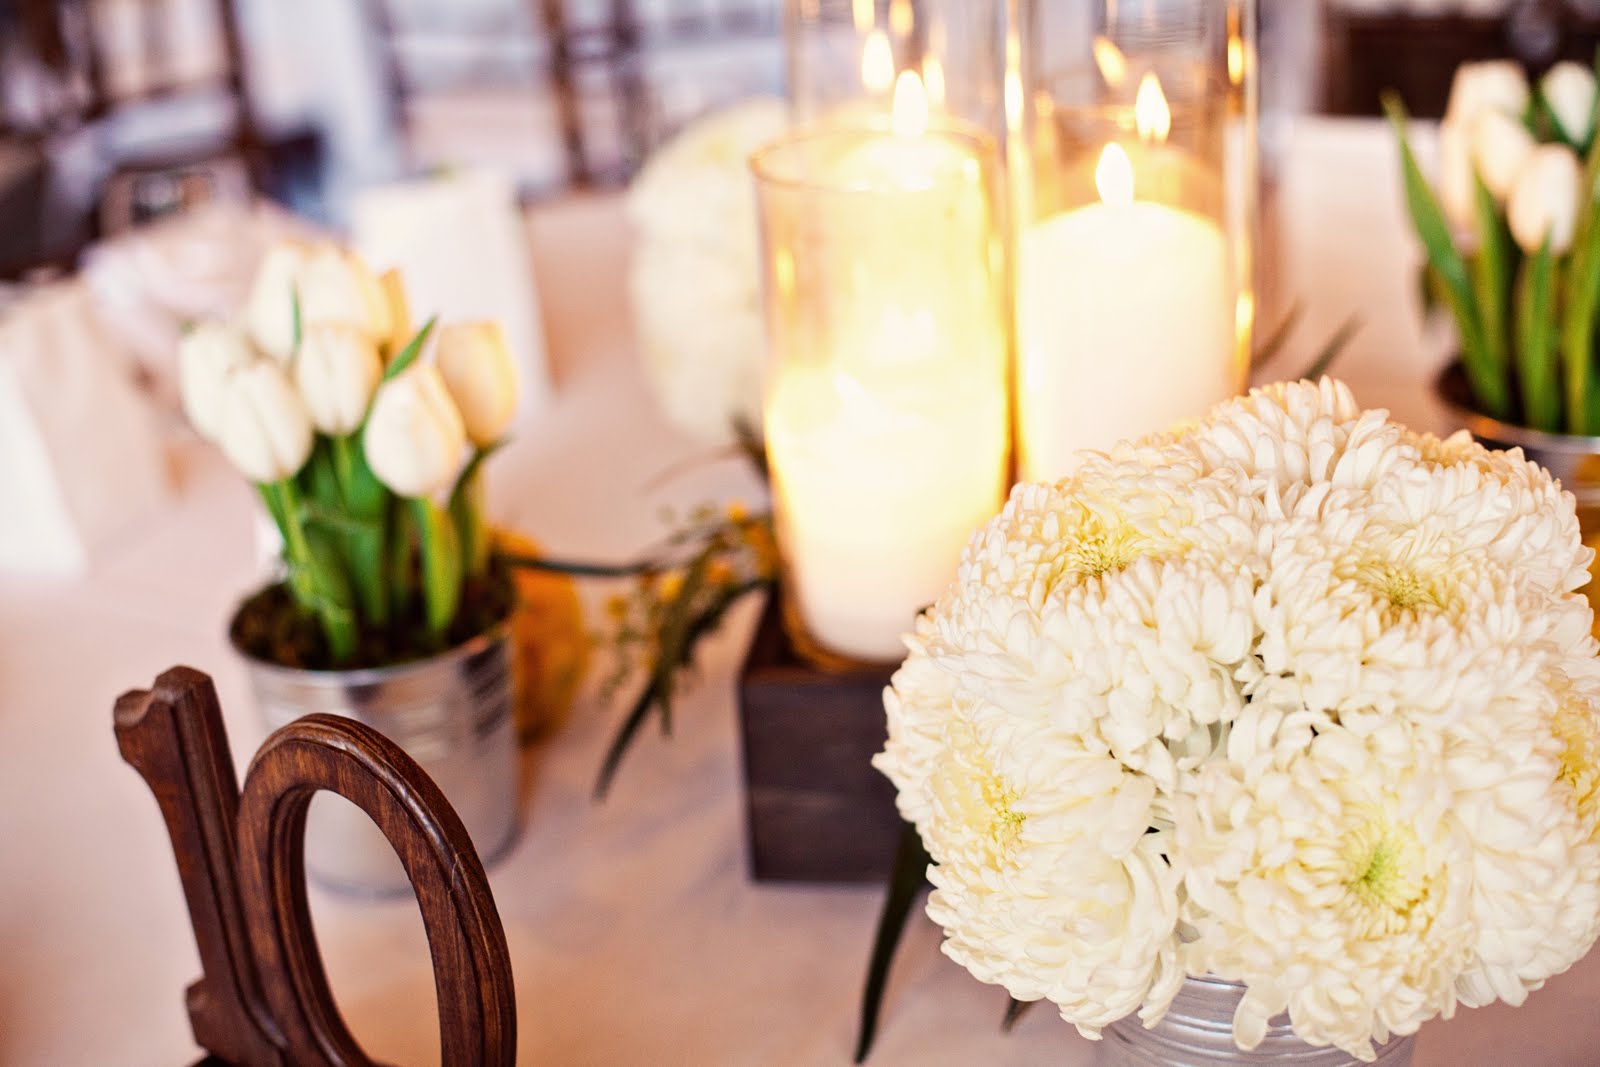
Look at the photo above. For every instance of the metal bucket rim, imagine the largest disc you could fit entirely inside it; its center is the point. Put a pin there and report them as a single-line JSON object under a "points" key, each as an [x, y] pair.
{"points": [[481, 642], [1449, 385]]}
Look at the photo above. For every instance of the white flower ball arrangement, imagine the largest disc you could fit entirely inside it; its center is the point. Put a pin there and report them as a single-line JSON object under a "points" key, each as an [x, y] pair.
{"points": [[1295, 698], [696, 277]]}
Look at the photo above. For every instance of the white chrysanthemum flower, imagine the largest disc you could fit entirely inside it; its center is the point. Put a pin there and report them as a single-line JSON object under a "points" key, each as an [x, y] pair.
{"points": [[1526, 783], [1327, 878], [696, 277], [1307, 693]]}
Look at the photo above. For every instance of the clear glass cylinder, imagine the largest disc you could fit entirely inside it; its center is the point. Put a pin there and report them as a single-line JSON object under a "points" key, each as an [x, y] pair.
{"points": [[886, 415], [843, 57], [1198, 1030], [1133, 164]]}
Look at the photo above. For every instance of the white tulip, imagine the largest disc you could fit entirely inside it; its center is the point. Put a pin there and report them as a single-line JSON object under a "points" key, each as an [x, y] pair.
{"points": [[394, 293], [1544, 201], [208, 356], [481, 374], [336, 285], [1496, 85], [1569, 89], [269, 313], [414, 439], [266, 431], [1501, 144], [337, 370], [1457, 179]]}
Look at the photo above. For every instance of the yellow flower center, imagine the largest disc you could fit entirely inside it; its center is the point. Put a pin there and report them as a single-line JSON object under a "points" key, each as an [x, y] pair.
{"points": [[1405, 587], [1383, 861], [1005, 825], [1099, 544], [1579, 734]]}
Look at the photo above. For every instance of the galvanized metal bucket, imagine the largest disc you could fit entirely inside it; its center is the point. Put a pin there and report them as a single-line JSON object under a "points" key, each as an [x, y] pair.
{"points": [[1198, 1030], [1572, 458], [452, 713]]}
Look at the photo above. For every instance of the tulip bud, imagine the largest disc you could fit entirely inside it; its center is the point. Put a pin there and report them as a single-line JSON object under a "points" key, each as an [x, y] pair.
{"points": [[1500, 145], [208, 356], [414, 439], [1496, 85], [266, 431], [481, 375], [336, 285], [394, 293], [337, 370], [1544, 201], [1457, 190], [1569, 89], [269, 313]]}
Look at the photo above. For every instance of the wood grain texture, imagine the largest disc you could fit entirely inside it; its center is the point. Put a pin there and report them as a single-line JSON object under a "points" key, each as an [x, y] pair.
{"points": [[263, 1000], [816, 809]]}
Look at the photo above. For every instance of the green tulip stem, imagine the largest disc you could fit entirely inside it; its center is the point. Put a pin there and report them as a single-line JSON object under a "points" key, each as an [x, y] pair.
{"points": [[441, 566], [312, 588], [467, 510]]}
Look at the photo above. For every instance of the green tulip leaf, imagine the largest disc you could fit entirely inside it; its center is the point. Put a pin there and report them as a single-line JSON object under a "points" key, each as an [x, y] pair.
{"points": [[408, 355], [1489, 384], [1536, 342]]}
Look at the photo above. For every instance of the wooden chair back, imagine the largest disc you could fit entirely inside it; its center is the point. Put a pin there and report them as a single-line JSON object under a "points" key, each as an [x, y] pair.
{"points": [[263, 998]]}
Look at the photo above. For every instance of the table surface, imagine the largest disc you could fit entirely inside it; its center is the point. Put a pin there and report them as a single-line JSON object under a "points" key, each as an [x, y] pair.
{"points": [[635, 934]]}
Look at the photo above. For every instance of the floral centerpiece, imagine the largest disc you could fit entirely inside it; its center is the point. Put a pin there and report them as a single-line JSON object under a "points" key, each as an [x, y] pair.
{"points": [[365, 441], [1512, 244], [1294, 698], [366, 455]]}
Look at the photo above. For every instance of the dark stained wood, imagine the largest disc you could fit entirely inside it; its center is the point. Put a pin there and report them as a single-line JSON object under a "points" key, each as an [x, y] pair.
{"points": [[816, 809], [263, 1000]]}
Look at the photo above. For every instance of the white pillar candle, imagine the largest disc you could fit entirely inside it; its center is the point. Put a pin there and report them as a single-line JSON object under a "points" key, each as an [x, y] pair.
{"points": [[888, 448], [1125, 321]]}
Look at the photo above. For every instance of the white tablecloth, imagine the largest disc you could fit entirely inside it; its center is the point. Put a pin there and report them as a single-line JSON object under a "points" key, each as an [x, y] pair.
{"points": [[636, 936]]}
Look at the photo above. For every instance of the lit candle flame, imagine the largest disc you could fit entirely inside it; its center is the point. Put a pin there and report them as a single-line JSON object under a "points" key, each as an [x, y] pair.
{"points": [[1112, 63], [933, 81], [1151, 115], [877, 63], [862, 15], [900, 17], [910, 117], [1113, 176]]}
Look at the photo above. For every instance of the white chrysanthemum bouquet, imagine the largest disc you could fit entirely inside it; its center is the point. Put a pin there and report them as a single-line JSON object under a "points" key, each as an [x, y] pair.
{"points": [[1295, 698]]}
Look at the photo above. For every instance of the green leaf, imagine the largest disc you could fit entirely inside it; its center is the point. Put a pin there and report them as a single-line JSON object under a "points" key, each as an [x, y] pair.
{"points": [[661, 674], [441, 566], [1269, 348], [338, 522], [400, 559], [1536, 342], [1580, 291], [1491, 276], [316, 581], [408, 355], [906, 879], [1333, 349], [299, 321], [1489, 386], [1015, 1010]]}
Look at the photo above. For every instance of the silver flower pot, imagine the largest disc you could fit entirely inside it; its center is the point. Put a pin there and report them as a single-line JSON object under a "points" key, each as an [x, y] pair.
{"points": [[1198, 1032], [452, 713], [1572, 458]]}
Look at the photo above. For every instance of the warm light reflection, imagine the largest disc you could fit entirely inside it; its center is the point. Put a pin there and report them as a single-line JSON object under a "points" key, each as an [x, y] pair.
{"points": [[1235, 48], [863, 15], [900, 18], [877, 63], [910, 118], [1113, 176], [1112, 63], [933, 81], [1151, 115]]}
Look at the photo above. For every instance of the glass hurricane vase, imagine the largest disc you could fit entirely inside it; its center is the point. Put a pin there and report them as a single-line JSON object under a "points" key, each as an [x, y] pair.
{"points": [[1198, 1032]]}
